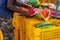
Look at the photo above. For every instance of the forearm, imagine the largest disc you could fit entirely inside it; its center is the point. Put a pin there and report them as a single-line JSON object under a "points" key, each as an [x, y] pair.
{"points": [[14, 9], [21, 4], [11, 6]]}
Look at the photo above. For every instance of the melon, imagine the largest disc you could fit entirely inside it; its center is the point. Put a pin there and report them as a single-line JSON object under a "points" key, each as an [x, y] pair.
{"points": [[38, 16], [44, 14], [24, 9], [45, 5], [38, 13], [31, 12], [34, 3], [38, 4], [53, 13], [37, 10], [54, 8], [45, 25]]}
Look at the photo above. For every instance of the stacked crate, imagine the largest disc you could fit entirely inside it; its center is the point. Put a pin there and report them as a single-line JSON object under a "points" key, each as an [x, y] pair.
{"points": [[1, 35], [48, 1], [29, 32]]}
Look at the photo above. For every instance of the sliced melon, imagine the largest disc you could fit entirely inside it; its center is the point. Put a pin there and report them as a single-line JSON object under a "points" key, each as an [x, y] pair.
{"points": [[37, 10], [45, 25], [24, 9], [34, 3], [53, 13], [31, 12], [54, 8], [38, 16], [44, 14]]}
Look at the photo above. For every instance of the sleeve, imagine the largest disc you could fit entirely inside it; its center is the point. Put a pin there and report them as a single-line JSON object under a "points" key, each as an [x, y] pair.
{"points": [[22, 1]]}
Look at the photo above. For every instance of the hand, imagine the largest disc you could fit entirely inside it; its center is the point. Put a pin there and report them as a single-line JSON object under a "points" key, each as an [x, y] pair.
{"points": [[28, 6], [25, 13]]}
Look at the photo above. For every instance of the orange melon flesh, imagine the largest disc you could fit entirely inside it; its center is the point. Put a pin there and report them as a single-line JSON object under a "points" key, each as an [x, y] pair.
{"points": [[24, 9], [44, 14], [31, 11]]}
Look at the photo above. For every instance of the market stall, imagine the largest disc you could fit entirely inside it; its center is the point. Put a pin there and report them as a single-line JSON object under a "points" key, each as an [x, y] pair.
{"points": [[43, 25]]}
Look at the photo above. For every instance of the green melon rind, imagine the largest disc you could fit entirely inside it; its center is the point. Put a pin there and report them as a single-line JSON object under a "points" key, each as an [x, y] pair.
{"points": [[54, 16], [45, 25], [38, 16]]}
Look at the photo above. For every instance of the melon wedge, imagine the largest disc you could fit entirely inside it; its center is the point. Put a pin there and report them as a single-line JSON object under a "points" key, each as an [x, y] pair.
{"points": [[44, 14], [31, 12], [53, 13], [23, 9]]}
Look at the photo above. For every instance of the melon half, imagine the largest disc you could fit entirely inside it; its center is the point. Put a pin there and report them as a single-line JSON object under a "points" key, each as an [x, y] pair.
{"points": [[45, 13], [31, 11], [53, 13]]}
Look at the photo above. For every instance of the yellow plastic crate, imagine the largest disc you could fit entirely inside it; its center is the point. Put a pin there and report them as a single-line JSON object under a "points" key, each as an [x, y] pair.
{"points": [[18, 24], [1, 35], [42, 34], [48, 1], [29, 32]]}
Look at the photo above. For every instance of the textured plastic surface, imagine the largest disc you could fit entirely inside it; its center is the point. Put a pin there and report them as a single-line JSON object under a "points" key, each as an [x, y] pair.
{"points": [[1, 35], [29, 32]]}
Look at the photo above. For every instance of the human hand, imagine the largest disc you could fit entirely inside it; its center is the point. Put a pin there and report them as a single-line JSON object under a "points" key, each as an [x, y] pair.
{"points": [[28, 6], [25, 13]]}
